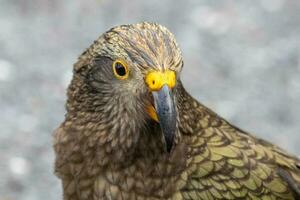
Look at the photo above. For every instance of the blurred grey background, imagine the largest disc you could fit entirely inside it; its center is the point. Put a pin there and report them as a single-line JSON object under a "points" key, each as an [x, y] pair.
{"points": [[242, 59]]}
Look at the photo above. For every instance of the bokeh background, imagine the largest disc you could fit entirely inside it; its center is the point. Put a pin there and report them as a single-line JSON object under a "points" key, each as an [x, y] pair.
{"points": [[242, 59]]}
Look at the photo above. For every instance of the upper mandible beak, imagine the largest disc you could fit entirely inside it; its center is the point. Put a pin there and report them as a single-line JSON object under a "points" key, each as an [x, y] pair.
{"points": [[164, 112]]}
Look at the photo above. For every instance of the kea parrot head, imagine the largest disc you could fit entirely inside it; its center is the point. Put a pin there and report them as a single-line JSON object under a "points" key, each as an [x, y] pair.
{"points": [[126, 83]]}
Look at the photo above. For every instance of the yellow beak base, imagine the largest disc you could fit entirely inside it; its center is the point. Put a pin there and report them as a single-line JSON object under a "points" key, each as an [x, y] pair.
{"points": [[152, 113], [155, 81]]}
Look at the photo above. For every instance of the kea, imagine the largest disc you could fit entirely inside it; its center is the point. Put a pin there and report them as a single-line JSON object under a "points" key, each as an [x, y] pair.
{"points": [[132, 131]]}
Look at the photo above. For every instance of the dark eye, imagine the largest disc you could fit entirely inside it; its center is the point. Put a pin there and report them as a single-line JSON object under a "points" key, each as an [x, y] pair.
{"points": [[120, 69]]}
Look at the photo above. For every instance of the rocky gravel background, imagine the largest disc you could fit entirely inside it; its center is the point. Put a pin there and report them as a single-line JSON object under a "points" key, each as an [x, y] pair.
{"points": [[242, 59]]}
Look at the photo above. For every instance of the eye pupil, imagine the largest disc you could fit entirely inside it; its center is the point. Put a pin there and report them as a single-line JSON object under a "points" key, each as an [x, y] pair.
{"points": [[120, 69]]}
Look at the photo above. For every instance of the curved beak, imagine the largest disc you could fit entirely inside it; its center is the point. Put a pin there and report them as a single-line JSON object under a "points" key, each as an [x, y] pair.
{"points": [[164, 111]]}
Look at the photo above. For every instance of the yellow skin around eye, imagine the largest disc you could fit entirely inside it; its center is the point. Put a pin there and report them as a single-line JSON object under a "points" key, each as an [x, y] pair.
{"points": [[124, 64]]}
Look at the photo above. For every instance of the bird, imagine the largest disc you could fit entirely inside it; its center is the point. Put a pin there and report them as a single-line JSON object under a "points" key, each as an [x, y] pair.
{"points": [[132, 132]]}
